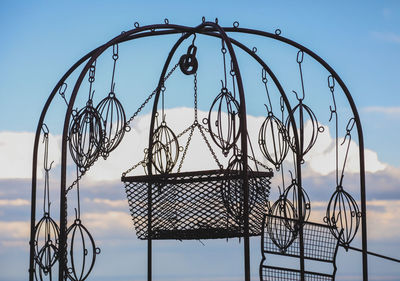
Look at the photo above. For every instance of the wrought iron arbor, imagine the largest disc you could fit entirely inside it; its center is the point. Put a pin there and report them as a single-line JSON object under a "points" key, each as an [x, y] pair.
{"points": [[229, 201]]}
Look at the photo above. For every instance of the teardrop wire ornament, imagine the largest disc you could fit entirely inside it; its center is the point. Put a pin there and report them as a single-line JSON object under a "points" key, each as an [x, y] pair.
{"points": [[342, 211], [80, 263], [232, 191], [165, 151], [291, 194], [87, 255], [227, 128], [85, 132], [281, 223], [85, 137], [305, 142], [112, 116], [272, 129], [46, 231]]}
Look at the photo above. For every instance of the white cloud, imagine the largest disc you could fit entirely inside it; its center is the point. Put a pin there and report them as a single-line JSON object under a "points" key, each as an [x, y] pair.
{"points": [[387, 36], [14, 202], [14, 230], [387, 110], [16, 150]]}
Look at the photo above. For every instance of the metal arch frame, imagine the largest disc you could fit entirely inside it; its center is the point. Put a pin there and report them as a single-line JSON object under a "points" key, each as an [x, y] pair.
{"points": [[208, 28]]}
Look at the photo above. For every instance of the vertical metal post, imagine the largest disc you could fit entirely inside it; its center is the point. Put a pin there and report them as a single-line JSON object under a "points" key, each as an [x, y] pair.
{"points": [[363, 203], [149, 239]]}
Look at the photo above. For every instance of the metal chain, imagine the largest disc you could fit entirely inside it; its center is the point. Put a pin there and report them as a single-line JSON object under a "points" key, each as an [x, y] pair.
{"points": [[209, 146], [195, 97], [91, 77], [92, 74], [127, 123], [61, 92], [185, 150], [78, 178], [239, 151]]}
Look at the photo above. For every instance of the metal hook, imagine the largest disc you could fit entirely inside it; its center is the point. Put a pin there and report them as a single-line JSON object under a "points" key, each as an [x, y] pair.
{"points": [[297, 96], [291, 175], [47, 169], [194, 38], [266, 106]]}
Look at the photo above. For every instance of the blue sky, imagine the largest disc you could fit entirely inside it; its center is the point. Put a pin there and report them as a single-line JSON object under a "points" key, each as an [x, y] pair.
{"points": [[42, 39]]}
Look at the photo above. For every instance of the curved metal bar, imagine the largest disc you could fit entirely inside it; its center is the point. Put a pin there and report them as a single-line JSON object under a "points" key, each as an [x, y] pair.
{"points": [[35, 157]]}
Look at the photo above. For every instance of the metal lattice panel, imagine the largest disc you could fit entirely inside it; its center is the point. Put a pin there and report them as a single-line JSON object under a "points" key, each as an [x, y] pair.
{"points": [[319, 243], [189, 205], [271, 273]]}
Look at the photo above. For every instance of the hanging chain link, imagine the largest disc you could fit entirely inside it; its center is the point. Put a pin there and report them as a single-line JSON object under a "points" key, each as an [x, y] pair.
{"points": [[127, 124], [208, 145], [61, 92], [195, 123], [92, 74]]}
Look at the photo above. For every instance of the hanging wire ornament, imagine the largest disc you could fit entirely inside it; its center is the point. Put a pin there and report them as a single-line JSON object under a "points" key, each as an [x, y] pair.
{"points": [[223, 116], [342, 212], [86, 132], [85, 137], [82, 249], [188, 62], [232, 190], [47, 231], [112, 116], [281, 223], [165, 151], [274, 130], [307, 139], [291, 194]]}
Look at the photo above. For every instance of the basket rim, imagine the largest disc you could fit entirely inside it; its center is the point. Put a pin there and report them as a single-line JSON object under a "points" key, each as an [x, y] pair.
{"points": [[196, 176]]}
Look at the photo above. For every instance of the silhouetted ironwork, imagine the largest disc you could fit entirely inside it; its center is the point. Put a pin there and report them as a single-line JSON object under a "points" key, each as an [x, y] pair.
{"points": [[319, 246], [82, 251], [46, 231], [230, 201], [189, 205]]}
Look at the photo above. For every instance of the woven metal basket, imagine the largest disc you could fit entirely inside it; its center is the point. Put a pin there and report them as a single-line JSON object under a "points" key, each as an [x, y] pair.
{"points": [[190, 205]]}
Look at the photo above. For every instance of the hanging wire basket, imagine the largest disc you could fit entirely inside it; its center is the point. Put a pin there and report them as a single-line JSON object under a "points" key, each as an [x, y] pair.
{"points": [[190, 205]]}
